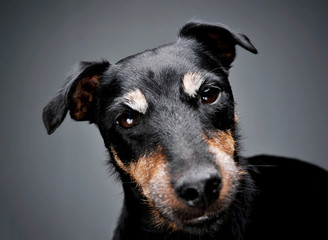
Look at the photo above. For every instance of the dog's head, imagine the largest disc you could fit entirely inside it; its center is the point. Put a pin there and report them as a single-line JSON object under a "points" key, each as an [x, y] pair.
{"points": [[168, 120]]}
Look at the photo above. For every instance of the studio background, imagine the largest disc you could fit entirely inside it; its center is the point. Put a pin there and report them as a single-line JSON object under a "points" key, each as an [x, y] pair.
{"points": [[59, 186]]}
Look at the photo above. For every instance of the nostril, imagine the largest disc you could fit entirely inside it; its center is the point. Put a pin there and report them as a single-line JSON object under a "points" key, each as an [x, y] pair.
{"points": [[212, 188], [189, 194]]}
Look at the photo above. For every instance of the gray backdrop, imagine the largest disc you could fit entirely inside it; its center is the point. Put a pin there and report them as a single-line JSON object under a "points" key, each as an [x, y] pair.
{"points": [[58, 186]]}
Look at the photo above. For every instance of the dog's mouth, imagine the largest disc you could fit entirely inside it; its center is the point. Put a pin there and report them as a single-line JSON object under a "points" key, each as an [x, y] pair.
{"points": [[200, 220], [194, 202], [202, 224]]}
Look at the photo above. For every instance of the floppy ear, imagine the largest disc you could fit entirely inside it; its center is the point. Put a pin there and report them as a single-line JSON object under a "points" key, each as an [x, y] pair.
{"points": [[77, 95], [218, 39]]}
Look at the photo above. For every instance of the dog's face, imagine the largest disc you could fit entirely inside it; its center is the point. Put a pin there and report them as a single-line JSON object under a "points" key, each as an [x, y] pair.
{"points": [[168, 120]]}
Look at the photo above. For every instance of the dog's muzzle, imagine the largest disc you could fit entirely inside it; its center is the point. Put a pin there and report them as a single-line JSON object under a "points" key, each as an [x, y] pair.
{"points": [[199, 188]]}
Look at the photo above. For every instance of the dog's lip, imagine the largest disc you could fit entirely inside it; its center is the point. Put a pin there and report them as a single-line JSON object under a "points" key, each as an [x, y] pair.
{"points": [[204, 219], [199, 219]]}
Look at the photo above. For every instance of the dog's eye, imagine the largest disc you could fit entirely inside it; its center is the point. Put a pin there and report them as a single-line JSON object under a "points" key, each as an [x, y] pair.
{"points": [[209, 95], [126, 120]]}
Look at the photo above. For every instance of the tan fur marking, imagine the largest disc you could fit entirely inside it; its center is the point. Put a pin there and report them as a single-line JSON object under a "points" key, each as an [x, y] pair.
{"points": [[222, 146], [150, 172], [144, 169], [224, 141], [191, 83], [151, 175], [136, 100], [118, 160], [83, 96], [162, 197]]}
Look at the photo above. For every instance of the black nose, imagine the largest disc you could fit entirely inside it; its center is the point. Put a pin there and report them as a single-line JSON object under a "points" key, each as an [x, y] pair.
{"points": [[199, 190]]}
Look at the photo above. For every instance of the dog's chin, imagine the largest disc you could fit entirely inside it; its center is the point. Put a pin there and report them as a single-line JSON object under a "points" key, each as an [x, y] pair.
{"points": [[195, 221], [203, 224]]}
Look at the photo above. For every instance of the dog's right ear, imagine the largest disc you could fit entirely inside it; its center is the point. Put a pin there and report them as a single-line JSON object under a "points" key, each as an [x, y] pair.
{"points": [[77, 95], [217, 39]]}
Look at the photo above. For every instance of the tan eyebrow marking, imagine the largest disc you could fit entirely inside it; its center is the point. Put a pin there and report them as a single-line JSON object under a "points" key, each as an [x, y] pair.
{"points": [[136, 100], [191, 83]]}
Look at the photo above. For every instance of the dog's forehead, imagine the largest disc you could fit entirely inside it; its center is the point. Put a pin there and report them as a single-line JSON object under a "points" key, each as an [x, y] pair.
{"points": [[160, 71], [158, 74], [162, 65]]}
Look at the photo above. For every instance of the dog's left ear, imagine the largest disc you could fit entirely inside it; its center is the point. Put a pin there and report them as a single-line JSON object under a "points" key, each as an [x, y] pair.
{"points": [[77, 96], [218, 39]]}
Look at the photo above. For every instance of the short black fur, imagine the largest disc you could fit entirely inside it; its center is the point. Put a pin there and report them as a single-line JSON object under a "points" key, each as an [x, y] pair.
{"points": [[271, 198]]}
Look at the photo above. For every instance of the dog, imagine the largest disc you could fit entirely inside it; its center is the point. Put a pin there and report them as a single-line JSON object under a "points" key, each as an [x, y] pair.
{"points": [[167, 117]]}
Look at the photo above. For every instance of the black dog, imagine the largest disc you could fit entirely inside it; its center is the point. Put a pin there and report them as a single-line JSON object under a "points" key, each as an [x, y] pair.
{"points": [[168, 120]]}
